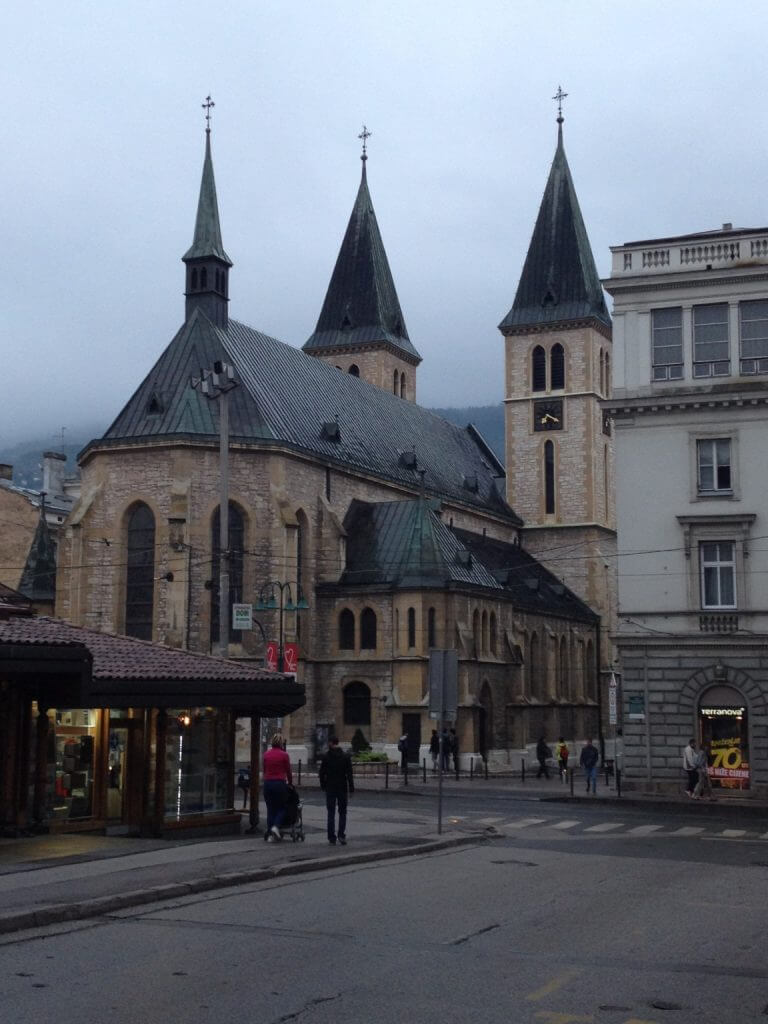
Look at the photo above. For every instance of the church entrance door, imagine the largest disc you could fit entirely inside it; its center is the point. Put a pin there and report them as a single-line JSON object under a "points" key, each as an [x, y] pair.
{"points": [[412, 729]]}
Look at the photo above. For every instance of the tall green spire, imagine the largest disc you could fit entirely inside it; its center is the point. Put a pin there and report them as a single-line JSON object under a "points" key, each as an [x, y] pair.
{"points": [[559, 282], [207, 239]]}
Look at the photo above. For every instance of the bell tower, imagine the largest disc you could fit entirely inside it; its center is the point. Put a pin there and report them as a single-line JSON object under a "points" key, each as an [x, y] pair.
{"points": [[207, 273], [559, 448]]}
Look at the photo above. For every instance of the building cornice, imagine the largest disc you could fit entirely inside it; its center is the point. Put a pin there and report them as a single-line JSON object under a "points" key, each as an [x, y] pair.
{"points": [[557, 326], [695, 279], [690, 401]]}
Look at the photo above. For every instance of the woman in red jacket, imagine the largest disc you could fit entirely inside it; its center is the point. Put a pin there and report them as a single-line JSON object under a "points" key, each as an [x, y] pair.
{"points": [[277, 778]]}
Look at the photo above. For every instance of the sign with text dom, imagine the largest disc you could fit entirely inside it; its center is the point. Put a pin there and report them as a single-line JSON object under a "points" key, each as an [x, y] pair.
{"points": [[242, 616]]}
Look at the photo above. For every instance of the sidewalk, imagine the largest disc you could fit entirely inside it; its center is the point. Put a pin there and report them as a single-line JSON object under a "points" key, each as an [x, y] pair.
{"points": [[47, 880]]}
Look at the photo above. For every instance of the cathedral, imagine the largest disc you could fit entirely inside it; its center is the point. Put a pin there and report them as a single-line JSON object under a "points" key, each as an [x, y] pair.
{"points": [[363, 530]]}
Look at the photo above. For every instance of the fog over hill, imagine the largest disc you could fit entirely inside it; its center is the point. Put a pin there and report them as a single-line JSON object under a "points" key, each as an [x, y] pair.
{"points": [[26, 456]]}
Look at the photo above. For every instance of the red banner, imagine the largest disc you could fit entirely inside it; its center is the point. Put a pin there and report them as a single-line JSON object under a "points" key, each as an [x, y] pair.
{"points": [[291, 657], [272, 655]]}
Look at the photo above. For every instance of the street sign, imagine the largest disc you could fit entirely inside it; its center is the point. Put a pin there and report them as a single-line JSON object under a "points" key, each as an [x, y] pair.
{"points": [[443, 684], [613, 692], [242, 616]]}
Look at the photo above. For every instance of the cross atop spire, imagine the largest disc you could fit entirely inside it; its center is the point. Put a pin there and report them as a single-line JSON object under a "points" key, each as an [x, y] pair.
{"points": [[207, 108], [364, 135], [559, 96]]}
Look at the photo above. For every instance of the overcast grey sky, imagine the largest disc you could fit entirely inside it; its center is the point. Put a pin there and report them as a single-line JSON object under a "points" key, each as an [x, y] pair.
{"points": [[103, 146]]}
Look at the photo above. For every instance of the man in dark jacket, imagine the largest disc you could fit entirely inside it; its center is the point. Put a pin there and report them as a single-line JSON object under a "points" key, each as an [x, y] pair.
{"points": [[589, 760], [542, 753], [337, 783]]}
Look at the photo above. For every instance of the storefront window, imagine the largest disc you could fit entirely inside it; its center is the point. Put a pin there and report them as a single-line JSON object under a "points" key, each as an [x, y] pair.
{"points": [[198, 762], [725, 731], [70, 757]]}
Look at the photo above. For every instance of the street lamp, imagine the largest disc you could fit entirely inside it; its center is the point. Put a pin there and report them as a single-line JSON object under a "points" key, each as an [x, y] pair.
{"points": [[269, 601]]}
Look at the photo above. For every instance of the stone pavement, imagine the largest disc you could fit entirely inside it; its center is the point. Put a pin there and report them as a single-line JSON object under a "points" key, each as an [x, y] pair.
{"points": [[46, 880]]}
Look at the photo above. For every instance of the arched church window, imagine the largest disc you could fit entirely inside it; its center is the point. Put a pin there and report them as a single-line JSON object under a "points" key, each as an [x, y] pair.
{"points": [[557, 367], [607, 375], [411, 628], [549, 478], [236, 528], [194, 279], [494, 642], [203, 278], [140, 572], [354, 370], [402, 385], [357, 704], [396, 382], [539, 369], [346, 630], [431, 630], [368, 630], [533, 668], [602, 373]]}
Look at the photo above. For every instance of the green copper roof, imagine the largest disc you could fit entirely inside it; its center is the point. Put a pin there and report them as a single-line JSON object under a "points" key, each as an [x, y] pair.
{"points": [[207, 241], [361, 306], [559, 281]]}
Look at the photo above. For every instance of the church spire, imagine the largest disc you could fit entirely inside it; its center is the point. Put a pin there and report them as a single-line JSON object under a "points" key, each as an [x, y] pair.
{"points": [[207, 274], [559, 282], [361, 306]]}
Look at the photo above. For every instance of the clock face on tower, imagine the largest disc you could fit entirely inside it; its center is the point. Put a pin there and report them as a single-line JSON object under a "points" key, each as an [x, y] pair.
{"points": [[548, 414]]}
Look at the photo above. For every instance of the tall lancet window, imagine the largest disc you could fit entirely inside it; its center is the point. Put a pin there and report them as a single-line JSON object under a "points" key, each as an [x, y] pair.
{"points": [[140, 572], [557, 367], [539, 369], [236, 558], [549, 478]]}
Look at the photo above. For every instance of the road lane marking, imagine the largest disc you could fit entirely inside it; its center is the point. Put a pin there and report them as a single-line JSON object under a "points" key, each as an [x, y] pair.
{"points": [[552, 1017], [687, 830], [733, 833], [552, 986], [606, 826], [490, 821], [525, 822], [644, 830], [566, 824]]}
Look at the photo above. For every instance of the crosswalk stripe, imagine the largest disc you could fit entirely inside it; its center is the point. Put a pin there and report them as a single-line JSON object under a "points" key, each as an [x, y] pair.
{"points": [[566, 824], [525, 822], [644, 830], [687, 830], [606, 826], [763, 836], [733, 833], [490, 821]]}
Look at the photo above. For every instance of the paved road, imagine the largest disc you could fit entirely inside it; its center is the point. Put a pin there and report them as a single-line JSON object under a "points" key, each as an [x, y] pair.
{"points": [[557, 921]]}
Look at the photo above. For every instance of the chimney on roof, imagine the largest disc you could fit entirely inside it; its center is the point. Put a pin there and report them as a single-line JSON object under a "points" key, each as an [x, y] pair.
{"points": [[54, 465], [6, 471], [728, 226]]}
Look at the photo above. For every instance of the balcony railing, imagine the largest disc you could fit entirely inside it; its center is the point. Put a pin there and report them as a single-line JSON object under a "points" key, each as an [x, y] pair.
{"points": [[720, 623]]}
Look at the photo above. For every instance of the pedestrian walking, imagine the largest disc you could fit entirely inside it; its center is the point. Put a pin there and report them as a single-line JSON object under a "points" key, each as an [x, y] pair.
{"points": [[455, 750], [562, 759], [434, 750], [402, 746], [542, 753], [277, 779], [445, 740], [704, 784], [589, 760], [338, 784], [691, 767]]}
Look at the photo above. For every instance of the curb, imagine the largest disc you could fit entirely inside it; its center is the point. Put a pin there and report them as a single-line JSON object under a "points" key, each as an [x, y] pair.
{"points": [[101, 905]]}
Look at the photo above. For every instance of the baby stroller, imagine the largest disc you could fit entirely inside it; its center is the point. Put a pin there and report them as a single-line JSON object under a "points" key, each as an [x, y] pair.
{"points": [[292, 825]]}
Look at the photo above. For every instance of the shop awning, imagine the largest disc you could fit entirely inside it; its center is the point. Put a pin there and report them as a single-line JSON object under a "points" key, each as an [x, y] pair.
{"points": [[101, 670]]}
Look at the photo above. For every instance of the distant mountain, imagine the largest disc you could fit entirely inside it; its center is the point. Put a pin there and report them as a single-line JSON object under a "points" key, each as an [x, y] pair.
{"points": [[489, 420], [26, 456]]}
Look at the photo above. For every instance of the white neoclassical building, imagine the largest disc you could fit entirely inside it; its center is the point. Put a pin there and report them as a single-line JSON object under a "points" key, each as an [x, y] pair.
{"points": [[690, 415]]}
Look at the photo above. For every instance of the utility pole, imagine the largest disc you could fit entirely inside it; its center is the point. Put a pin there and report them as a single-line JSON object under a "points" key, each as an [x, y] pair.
{"points": [[216, 384]]}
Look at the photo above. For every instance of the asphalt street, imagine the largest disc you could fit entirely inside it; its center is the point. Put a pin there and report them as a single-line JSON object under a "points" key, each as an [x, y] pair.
{"points": [[572, 913]]}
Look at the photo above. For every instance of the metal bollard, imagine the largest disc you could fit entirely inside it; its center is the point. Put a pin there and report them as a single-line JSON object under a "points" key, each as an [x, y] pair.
{"points": [[405, 774], [618, 782], [522, 769], [424, 769], [571, 773], [486, 769], [386, 775], [471, 768], [299, 773]]}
